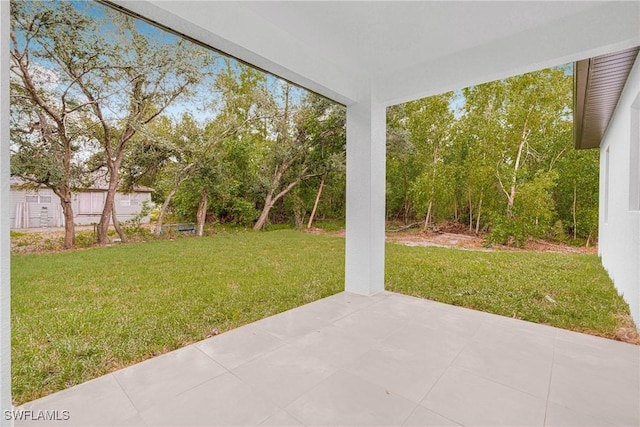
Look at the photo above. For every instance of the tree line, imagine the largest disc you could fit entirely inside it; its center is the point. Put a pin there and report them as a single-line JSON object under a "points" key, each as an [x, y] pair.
{"points": [[497, 158], [96, 94], [92, 92]]}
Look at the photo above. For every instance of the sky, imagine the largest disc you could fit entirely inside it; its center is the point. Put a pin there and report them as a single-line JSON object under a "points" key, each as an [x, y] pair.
{"points": [[200, 106]]}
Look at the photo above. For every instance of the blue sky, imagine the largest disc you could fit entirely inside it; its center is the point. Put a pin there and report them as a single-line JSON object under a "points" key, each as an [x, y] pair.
{"points": [[200, 106]]}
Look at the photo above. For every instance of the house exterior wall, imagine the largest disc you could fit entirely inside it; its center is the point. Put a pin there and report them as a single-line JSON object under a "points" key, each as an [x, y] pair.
{"points": [[127, 207], [619, 228]]}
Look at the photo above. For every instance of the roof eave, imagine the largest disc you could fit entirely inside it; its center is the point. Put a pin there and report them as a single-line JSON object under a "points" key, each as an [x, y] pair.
{"points": [[598, 83]]}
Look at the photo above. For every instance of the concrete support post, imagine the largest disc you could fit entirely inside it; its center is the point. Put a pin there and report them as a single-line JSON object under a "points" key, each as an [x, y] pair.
{"points": [[5, 288], [366, 155]]}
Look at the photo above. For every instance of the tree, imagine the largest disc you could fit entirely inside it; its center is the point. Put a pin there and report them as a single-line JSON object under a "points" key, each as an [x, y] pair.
{"points": [[576, 195], [184, 147], [402, 166], [141, 77], [429, 123], [534, 114], [496, 157], [118, 77], [324, 123], [479, 137], [201, 160], [48, 111], [288, 155]]}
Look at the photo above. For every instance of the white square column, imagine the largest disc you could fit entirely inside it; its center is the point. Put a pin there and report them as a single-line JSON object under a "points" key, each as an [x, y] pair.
{"points": [[5, 205], [366, 159]]}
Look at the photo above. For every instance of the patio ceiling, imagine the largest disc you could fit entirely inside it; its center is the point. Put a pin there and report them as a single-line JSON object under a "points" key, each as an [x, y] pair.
{"points": [[398, 51]]}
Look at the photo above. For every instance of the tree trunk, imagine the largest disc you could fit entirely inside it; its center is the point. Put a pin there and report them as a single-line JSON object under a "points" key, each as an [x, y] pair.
{"points": [[116, 224], [428, 217], [106, 217], [470, 211], [512, 192], [315, 205], [406, 204], [575, 221], [455, 208], [478, 218], [298, 217], [271, 200], [202, 211], [523, 140], [262, 219], [406, 211], [69, 226], [432, 190], [163, 209], [182, 176]]}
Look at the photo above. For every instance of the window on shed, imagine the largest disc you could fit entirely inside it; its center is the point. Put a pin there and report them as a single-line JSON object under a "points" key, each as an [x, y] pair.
{"points": [[90, 203], [37, 198], [125, 200]]}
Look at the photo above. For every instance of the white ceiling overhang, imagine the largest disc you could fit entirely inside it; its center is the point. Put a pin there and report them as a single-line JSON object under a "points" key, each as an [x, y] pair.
{"points": [[398, 51]]}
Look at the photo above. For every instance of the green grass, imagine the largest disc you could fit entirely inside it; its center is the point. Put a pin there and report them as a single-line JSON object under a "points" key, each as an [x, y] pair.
{"points": [[513, 284], [80, 314], [77, 315]]}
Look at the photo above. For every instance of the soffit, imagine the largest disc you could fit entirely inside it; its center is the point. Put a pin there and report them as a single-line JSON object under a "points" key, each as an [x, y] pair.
{"points": [[598, 84]]}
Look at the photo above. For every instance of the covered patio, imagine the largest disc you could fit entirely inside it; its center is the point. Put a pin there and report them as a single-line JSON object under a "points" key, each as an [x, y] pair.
{"points": [[365, 356], [386, 360]]}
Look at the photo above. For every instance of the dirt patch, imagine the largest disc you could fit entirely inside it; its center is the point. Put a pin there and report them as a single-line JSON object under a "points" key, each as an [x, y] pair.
{"points": [[314, 230], [455, 235], [455, 238], [626, 330], [446, 240]]}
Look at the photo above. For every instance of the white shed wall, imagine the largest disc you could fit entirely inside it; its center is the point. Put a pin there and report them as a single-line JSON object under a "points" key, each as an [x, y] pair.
{"points": [[619, 235], [55, 218]]}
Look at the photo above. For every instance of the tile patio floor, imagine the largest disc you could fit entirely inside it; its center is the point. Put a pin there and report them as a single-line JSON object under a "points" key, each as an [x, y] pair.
{"points": [[387, 360]]}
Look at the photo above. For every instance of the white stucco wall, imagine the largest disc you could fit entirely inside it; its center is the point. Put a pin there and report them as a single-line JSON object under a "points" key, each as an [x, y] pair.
{"points": [[619, 240], [5, 243]]}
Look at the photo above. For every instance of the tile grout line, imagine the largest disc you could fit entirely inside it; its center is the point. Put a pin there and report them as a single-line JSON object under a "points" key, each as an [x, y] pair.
{"points": [[410, 414], [553, 363], [286, 412], [281, 343], [440, 377], [450, 366], [213, 360], [493, 380], [265, 396], [138, 411], [208, 379], [443, 374]]}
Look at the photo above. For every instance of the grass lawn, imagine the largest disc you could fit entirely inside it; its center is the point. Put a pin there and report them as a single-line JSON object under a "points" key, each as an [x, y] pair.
{"points": [[515, 284], [77, 315], [80, 314]]}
